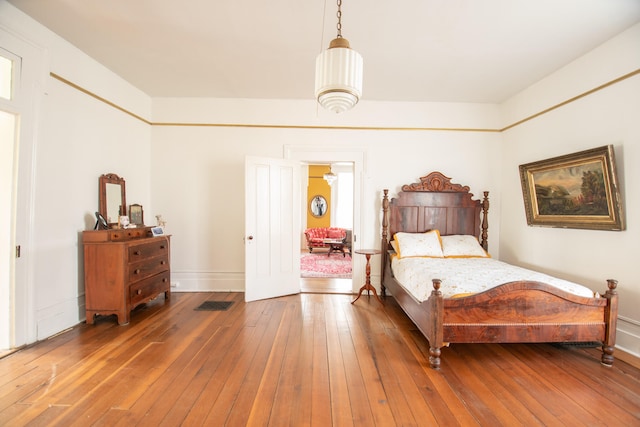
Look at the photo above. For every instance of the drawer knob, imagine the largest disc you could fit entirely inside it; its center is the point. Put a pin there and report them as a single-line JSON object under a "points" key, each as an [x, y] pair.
{"points": [[137, 253], [165, 280], [162, 263], [139, 291], [163, 247], [137, 271]]}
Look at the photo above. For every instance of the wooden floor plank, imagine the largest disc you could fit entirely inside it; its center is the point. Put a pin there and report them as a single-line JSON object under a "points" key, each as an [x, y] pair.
{"points": [[445, 404], [273, 379], [286, 403], [197, 403], [341, 411], [590, 403], [389, 404], [304, 360], [320, 379], [356, 372], [412, 408]]}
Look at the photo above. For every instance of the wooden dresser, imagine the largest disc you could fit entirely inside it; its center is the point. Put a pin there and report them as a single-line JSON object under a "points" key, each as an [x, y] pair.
{"points": [[124, 268]]}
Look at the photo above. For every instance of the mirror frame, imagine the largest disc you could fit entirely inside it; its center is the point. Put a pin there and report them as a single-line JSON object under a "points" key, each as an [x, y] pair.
{"points": [[111, 178], [318, 198]]}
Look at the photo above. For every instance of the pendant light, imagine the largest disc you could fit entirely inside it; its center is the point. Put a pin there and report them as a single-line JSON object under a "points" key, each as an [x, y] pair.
{"points": [[338, 73], [330, 177]]}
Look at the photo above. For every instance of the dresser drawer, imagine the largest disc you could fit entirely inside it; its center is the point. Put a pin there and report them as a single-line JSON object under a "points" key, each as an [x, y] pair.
{"points": [[149, 288], [148, 267], [157, 247], [121, 235]]}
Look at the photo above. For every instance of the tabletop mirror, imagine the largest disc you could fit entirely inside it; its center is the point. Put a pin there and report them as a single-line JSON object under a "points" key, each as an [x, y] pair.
{"points": [[113, 201]]}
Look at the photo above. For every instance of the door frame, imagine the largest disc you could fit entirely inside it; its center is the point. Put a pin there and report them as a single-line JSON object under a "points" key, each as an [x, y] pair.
{"points": [[26, 105], [330, 154]]}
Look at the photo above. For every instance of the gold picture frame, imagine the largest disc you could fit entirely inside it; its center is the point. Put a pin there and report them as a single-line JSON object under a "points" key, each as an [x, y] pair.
{"points": [[578, 190], [318, 206], [136, 214]]}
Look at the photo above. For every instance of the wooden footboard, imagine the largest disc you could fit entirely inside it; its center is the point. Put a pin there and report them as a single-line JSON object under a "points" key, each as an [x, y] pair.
{"points": [[521, 312], [517, 312]]}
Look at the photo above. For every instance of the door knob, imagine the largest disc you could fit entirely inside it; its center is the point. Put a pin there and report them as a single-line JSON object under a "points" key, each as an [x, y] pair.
{"points": [[250, 238]]}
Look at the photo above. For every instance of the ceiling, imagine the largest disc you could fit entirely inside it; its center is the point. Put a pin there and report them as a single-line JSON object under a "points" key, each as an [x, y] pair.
{"points": [[414, 50]]}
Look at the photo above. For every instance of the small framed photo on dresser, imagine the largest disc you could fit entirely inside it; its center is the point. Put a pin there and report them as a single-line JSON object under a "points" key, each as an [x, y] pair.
{"points": [[136, 214]]}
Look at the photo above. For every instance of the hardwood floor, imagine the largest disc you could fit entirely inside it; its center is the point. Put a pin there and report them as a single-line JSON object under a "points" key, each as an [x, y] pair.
{"points": [[326, 285], [308, 359]]}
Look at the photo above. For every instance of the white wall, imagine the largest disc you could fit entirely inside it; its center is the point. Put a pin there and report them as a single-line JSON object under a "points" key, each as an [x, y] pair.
{"points": [[198, 171], [76, 139], [609, 116]]}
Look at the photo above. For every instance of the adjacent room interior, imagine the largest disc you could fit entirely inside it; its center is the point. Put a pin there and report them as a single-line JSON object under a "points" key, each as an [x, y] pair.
{"points": [[326, 251]]}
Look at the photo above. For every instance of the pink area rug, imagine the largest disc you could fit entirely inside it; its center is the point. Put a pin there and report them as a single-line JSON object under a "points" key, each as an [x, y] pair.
{"points": [[320, 265]]}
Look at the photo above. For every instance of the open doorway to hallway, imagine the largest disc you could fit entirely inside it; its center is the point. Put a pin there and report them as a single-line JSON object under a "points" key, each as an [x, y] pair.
{"points": [[326, 263]]}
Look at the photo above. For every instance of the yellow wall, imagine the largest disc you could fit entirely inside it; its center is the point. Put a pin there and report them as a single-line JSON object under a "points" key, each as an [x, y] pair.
{"points": [[318, 186]]}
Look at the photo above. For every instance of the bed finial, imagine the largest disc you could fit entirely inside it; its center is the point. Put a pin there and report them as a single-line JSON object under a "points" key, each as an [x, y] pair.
{"points": [[436, 285], [385, 237], [611, 321], [484, 242], [385, 219]]}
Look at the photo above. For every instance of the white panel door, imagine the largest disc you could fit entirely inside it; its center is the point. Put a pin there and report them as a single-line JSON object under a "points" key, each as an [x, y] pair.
{"points": [[272, 228]]}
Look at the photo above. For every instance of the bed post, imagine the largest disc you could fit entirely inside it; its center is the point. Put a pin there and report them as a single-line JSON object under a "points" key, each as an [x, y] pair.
{"points": [[436, 320], [385, 238], [611, 320], [484, 242]]}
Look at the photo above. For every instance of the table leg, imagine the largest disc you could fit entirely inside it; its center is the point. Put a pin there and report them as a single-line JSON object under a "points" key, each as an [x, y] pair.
{"points": [[367, 285]]}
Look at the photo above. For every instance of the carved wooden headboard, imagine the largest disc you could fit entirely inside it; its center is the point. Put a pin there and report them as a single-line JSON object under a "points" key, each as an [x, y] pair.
{"points": [[435, 203]]}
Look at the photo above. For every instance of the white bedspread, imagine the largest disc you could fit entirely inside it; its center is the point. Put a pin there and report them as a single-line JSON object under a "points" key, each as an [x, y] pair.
{"points": [[468, 275]]}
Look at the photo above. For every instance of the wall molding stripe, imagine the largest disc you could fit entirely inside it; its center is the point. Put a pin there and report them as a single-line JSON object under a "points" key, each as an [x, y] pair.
{"points": [[368, 128], [575, 98], [241, 125], [98, 97]]}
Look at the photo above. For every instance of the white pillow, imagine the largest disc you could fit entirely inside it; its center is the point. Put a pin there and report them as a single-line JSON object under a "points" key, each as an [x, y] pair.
{"points": [[462, 246], [419, 244]]}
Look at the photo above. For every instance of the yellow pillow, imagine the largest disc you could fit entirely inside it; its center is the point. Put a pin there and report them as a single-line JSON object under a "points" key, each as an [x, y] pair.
{"points": [[419, 244]]}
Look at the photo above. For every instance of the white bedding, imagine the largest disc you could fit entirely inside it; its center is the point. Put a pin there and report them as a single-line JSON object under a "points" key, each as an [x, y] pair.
{"points": [[468, 275]]}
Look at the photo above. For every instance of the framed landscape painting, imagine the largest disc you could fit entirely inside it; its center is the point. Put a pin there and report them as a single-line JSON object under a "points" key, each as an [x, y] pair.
{"points": [[577, 190]]}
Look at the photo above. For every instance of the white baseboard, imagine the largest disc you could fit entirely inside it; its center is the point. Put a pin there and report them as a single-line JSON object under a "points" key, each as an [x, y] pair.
{"points": [[51, 320], [628, 336], [203, 281]]}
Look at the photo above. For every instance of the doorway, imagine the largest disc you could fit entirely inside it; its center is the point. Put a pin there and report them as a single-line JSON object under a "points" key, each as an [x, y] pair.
{"points": [[353, 160], [21, 79], [327, 267], [7, 136]]}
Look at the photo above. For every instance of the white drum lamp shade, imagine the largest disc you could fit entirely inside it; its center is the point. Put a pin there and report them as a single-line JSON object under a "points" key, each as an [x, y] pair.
{"points": [[338, 76]]}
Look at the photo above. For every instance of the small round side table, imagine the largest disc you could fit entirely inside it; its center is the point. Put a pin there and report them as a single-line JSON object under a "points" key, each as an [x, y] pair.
{"points": [[367, 285]]}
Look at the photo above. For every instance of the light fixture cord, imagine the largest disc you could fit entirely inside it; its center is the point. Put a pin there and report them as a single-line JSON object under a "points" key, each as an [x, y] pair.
{"points": [[339, 15]]}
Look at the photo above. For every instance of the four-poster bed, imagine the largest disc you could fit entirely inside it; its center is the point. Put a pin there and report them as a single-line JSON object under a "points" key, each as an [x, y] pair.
{"points": [[518, 311]]}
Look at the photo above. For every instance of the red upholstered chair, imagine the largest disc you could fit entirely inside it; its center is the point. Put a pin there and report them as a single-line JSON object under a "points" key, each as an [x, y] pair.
{"points": [[348, 240]]}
